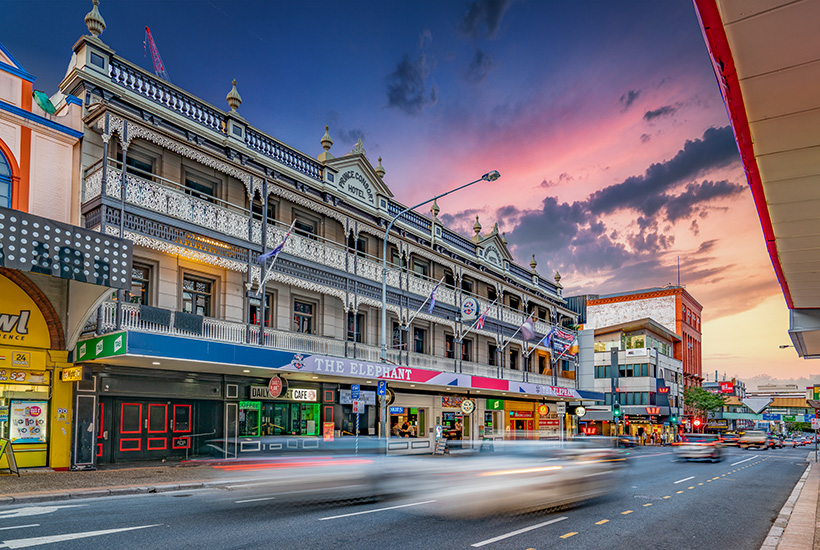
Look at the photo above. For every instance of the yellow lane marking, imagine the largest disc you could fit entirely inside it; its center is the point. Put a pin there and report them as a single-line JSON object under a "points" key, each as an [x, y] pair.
{"points": [[668, 496], [626, 512], [647, 504], [568, 535], [707, 481], [716, 477], [700, 483], [722, 475], [679, 492], [601, 522], [691, 487]]}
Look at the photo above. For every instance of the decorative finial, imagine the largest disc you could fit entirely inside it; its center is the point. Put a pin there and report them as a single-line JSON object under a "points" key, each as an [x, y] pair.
{"points": [[326, 141], [94, 21], [234, 99], [380, 168], [504, 239], [435, 209], [557, 278], [477, 226], [533, 263], [495, 228], [358, 149]]}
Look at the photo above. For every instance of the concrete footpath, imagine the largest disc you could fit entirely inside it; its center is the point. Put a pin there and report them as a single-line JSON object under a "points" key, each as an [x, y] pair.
{"points": [[796, 526]]}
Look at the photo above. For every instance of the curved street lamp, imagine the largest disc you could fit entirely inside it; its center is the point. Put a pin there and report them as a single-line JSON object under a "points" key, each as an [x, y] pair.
{"points": [[489, 176]]}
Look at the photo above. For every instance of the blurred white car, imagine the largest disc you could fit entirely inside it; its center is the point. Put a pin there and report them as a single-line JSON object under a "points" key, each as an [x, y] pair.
{"points": [[517, 476], [699, 446]]}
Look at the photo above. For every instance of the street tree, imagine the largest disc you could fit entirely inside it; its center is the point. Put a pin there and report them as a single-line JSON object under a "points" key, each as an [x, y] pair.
{"points": [[702, 402]]}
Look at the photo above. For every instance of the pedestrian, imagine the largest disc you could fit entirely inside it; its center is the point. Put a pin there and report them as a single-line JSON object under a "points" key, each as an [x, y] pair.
{"points": [[641, 433]]}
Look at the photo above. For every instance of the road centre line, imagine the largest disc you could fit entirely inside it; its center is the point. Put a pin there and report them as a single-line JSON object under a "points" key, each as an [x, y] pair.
{"points": [[378, 510], [601, 522], [570, 534], [518, 532], [744, 460], [254, 500], [20, 526], [685, 479], [626, 512]]}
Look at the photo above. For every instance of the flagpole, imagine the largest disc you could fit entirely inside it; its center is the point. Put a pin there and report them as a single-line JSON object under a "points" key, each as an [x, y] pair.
{"points": [[416, 314], [269, 268]]}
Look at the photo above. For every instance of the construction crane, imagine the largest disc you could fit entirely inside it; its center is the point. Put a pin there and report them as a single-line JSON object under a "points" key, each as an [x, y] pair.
{"points": [[159, 66]]}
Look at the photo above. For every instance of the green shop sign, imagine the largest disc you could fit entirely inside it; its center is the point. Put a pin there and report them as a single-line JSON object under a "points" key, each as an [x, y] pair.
{"points": [[495, 404], [102, 346]]}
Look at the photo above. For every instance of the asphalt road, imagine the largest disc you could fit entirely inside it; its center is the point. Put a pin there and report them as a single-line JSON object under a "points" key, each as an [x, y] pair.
{"points": [[658, 503]]}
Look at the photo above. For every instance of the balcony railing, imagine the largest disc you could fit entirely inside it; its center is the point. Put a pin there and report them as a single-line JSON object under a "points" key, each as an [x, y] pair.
{"points": [[230, 332], [166, 197]]}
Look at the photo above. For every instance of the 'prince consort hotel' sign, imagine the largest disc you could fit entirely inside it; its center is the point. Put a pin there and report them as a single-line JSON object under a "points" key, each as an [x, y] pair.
{"points": [[352, 368]]}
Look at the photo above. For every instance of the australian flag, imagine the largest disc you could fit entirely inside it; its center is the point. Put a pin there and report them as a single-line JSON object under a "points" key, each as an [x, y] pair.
{"points": [[272, 254]]}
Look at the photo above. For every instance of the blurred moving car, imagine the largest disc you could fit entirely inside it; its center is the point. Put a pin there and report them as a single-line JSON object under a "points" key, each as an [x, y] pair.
{"points": [[625, 441], [699, 446], [754, 439], [518, 476], [774, 442], [790, 442], [731, 440]]}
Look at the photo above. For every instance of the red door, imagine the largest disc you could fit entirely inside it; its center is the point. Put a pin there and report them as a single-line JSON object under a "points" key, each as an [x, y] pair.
{"points": [[150, 429]]}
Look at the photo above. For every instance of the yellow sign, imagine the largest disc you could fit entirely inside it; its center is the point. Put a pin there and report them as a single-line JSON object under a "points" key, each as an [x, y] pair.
{"points": [[21, 322], [11, 358], [19, 376], [73, 374]]}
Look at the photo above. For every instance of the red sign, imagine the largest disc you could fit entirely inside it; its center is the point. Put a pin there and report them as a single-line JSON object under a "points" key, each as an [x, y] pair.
{"points": [[589, 430], [544, 423], [664, 389], [727, 387], [275, 386], [653, 410], [520, 414]]}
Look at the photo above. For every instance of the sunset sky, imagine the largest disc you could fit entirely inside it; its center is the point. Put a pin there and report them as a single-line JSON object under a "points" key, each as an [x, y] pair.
{"points": [[604, 119]]}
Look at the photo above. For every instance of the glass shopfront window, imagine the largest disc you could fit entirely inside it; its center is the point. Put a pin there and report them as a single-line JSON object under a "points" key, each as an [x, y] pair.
{"points": [[291, 419], [408, 422], [249, 419]]}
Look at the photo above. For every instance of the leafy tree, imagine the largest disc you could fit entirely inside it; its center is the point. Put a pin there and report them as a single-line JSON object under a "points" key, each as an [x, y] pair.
{"points": [[703, 402]]}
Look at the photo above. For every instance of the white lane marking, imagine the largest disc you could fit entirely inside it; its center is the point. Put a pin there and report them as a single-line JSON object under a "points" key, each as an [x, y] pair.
{"points": [[35, 510], [686, 479], [254, 500], [256, 484], [514, 533], [36, 541], [744, 460], [378, 510], [20, 526]]}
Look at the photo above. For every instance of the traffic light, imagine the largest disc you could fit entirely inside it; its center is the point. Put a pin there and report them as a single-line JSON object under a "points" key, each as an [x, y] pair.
{"points": [[696, 423], [616, 411], [674, 419]]}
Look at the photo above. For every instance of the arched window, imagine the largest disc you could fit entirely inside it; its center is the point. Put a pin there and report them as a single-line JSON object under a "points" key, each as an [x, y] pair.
{"points": [[5, 182]]}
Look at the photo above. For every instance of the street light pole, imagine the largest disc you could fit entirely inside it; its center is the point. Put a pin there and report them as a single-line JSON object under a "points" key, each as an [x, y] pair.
{"points": [[489, 176]]}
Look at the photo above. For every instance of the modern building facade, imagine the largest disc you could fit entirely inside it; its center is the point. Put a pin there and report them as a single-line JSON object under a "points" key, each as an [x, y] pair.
{"points": [[212, 351], [671, 307], [634, 367]]}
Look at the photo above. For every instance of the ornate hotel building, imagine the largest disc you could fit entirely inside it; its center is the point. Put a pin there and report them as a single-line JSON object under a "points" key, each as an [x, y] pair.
{"points": [[182, 362]]}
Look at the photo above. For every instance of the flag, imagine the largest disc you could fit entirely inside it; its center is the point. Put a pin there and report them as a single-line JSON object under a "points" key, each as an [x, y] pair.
{"points": [[574, 348], [433, 298], [547, 338], [527, 330], [480, 323], [268, 255]]}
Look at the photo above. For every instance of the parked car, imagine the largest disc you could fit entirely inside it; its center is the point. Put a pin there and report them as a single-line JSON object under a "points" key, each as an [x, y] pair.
{"points": [[699, 446], [754, 439]]}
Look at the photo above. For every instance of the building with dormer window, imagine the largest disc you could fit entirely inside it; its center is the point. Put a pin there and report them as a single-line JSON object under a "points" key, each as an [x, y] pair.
{"points": [[219, 351]]}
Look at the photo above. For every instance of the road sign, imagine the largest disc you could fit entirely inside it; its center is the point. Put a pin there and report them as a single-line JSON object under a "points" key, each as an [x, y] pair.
{"points": [[354, 391], [358, 406], [815, 423], [382, 387], [561, 407]]}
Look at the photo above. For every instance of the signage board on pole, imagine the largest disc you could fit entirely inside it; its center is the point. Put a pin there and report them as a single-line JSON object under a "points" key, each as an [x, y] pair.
{"points": [[381, 389], [561, 407], [354, 391], [358, 406]]}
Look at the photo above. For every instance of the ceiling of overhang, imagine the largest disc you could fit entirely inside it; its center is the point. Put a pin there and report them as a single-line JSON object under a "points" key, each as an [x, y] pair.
{"points": [[775, 48]]}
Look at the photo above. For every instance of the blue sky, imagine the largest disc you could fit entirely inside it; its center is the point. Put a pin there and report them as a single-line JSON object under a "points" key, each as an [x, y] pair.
{"points": [[604, 119]]}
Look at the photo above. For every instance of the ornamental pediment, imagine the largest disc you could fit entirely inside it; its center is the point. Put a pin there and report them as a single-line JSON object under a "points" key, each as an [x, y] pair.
{"points": [[354, 178], [493, 251]]}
